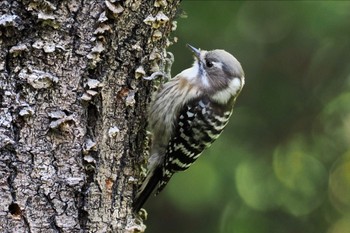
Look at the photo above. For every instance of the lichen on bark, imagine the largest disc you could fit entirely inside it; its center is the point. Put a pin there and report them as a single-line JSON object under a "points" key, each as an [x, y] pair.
{"points": [[73, 105]]}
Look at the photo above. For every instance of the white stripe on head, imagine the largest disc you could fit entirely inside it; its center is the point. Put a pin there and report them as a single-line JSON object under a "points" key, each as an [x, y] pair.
{"points": [[233, 88]]}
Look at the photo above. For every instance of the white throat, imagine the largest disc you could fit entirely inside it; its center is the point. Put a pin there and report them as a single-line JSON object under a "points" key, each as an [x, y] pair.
{"points": [[192, 75]]}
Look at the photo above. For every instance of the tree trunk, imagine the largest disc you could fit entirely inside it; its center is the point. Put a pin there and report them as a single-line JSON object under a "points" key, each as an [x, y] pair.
{"points": [[73, 109]]}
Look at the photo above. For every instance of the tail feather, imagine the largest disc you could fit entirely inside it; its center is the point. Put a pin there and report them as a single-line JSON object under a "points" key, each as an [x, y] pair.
{"points": [[148, 186]]}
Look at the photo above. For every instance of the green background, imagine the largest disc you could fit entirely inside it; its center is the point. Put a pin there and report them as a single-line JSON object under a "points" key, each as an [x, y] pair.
{"points": [[283, 163]]}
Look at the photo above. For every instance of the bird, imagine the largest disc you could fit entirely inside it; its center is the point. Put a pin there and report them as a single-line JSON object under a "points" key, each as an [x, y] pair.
{"points": [[187, 114]]}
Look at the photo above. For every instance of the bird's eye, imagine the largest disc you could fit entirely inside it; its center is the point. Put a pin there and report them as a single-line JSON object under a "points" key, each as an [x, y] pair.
{"points": [[209, 64]]}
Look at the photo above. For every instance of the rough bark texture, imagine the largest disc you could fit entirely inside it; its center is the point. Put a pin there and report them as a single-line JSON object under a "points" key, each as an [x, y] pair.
{"points": [[73, 109]]}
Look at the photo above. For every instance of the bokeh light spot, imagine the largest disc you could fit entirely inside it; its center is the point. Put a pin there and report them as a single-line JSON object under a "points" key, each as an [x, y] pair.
{"points": [[256, 184], [339, 183], [302, 176], [199, 186]]}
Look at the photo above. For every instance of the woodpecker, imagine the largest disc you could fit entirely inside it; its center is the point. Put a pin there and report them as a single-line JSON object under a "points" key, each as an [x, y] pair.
{"points": [[187, 114]]}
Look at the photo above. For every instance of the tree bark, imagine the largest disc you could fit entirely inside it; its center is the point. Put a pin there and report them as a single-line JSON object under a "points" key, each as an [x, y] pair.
{"points": [[73, 106]]}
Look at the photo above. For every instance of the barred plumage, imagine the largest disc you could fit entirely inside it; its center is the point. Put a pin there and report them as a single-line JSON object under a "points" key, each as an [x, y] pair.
{"points": [[188, 113], [201, 121]]}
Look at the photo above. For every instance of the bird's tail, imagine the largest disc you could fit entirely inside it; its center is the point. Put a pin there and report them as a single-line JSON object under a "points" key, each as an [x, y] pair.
{"points": [[147, 187]]}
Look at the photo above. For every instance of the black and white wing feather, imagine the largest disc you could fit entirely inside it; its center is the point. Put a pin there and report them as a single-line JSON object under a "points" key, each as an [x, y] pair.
{"points": [[201, 121]]}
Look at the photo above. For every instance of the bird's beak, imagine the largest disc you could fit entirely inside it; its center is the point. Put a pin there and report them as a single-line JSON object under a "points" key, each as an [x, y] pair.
{"points": [[195, 51]]}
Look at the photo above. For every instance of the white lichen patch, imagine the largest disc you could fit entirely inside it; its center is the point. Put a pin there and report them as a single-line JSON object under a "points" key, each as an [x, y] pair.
{"points": [[157, 35], [130, 99], [45, 16], [113, 131], [102, 29], [94, 55], [89, 145], [91, 92], [135, 226], [26, 111], [156, 21], [162, 18], [43, 4], [18, 49], [86, 97], [135, 5], [57, 114], [49, 47], [74, 180], [93, 83], [89, 159], [39, 44], [155, 55], [140, 72], [98, 48], [60, 122], [115, 8], [5, 118], [137, 47], [38, 79], [149, 20], [94, 58], [160, 3], [102, 18], [8, 20]]}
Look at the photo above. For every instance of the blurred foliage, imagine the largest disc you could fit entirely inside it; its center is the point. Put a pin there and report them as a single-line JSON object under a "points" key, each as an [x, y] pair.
{"points": [[283, 163]]}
